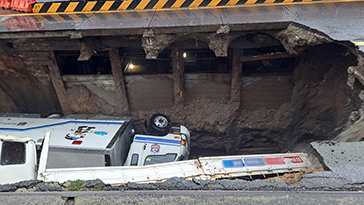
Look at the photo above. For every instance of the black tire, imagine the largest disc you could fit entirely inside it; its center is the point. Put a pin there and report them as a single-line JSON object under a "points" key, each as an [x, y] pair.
{"points": [[160, 124]]}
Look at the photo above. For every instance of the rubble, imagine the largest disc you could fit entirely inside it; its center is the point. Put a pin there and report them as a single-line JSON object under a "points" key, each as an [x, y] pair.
{"points": [[296, 38], [93, 183], [347, 178], [291, 178], [52, 186], [153, 44]]}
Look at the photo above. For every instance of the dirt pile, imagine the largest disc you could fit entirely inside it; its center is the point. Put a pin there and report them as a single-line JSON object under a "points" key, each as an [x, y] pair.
{"points": [[291, 178]]}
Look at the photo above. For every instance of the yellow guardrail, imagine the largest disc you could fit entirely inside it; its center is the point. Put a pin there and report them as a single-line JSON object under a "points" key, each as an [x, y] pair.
{"points": [[118, 5], [359, 43]]}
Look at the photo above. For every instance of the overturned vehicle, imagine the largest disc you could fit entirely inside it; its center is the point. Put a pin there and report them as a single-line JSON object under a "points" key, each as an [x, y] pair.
{"points": [[71, 148], [97, 143]]}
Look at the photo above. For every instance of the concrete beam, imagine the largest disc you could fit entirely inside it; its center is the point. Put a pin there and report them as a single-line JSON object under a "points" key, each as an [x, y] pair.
{"points": [[139, 31], [178, 76], [58, 84], [268, 56], [120, 85], [236, 77], [88, 47]]}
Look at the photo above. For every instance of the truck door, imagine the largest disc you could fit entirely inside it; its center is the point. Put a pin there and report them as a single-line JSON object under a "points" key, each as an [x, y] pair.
{"points": [[17, 162], [155, 150], [146, 150], [140, 149]]}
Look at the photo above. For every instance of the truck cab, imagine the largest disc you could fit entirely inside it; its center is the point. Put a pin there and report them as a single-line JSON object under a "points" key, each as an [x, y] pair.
{"points": [[18, 159], [149, 149]]}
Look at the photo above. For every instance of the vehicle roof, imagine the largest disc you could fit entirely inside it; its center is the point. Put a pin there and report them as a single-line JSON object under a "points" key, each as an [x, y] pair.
{"points": [[90, 134]]}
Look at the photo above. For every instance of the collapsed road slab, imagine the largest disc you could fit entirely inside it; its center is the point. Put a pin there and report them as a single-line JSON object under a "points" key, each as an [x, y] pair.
{"points": [[339, 20], [334, 155]]}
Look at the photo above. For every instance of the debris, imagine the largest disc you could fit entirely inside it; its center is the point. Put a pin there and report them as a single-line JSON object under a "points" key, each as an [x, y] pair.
{"points": [[93, 183], [296, 38], [291, 178], [52, 186]]}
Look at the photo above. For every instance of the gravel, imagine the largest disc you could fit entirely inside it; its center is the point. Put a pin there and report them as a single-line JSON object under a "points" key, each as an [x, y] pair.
{"points": [[93, 183], [326, 181], [52, 186]]}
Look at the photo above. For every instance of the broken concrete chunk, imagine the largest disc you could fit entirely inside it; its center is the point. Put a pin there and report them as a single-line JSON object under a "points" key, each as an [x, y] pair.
{"points": [[353, 132], [93, 183], [153, 44], [223, 30], [219, 41], [355, 72], [296, 38], [219, 44], [335, 155]]}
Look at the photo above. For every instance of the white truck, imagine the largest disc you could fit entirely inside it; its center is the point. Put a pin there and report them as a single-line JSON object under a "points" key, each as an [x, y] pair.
{"points": [[97, 149], [19, 162], [99, 143]]}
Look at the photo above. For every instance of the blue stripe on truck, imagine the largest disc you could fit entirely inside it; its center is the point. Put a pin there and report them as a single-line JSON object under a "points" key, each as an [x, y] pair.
{"points": [[61, 123], [254, 162], [233, 163], [157, 140]]}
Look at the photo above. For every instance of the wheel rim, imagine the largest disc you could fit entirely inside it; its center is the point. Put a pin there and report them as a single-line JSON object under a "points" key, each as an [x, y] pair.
{"points": [[160, 122]]}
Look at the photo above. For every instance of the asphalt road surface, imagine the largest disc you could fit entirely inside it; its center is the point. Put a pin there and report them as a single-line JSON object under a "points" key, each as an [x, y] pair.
{"points": [[184, 197]]}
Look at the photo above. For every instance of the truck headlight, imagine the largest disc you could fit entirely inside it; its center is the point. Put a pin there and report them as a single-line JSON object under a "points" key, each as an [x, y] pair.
{"points": [[183, 140]]}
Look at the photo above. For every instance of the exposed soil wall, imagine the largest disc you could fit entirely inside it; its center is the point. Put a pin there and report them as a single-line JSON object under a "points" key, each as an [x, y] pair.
{"points": [[92, 94], [7, 104], [210, 86], [266, 91], [319, 106], [276, 113], [146, 92], [323, 101], [25, 88]]}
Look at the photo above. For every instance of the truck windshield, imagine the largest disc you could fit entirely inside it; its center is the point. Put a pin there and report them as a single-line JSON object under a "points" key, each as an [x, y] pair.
{"points": [[154, 159], [12, 153]]}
